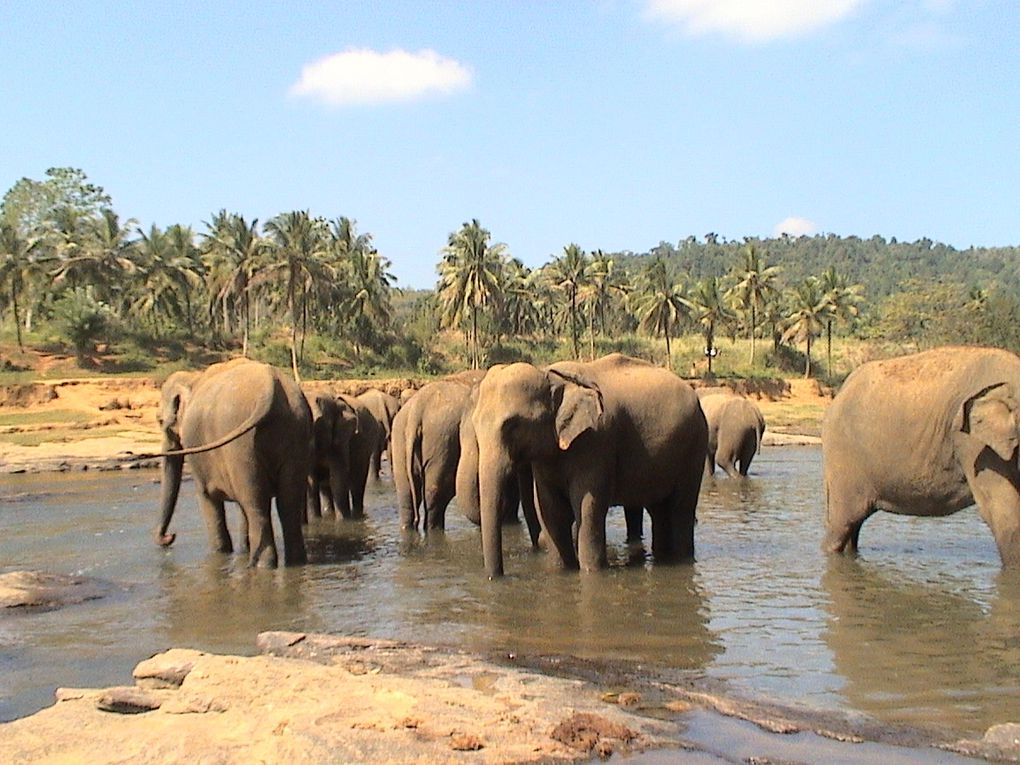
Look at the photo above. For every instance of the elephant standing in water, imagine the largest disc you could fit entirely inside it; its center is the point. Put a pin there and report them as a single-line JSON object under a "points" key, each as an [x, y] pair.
{"points": [[425, 444], [926, 434], [616, 431], [735, 430], [384, 408], [247, 432]]}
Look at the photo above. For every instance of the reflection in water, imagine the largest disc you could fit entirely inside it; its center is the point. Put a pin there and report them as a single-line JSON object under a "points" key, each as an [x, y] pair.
{"points": [[906, 647], [923, 627]]}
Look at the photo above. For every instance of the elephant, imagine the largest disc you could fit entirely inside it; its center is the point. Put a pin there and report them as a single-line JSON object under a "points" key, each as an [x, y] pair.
{"points": [[518, 492], [334, 423], [925, 434], [615, 431], [735, 430], [384, 408], [425, 444], [246, 430]]}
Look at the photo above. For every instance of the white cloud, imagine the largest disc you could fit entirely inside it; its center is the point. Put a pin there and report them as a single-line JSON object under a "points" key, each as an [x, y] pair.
{"points": [[795, 226], [751, 20], [363, 76]]}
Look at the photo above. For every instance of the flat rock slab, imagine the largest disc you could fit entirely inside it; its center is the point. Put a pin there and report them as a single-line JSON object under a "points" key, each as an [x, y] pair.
{"points": [[38, 589], [348, 700]]}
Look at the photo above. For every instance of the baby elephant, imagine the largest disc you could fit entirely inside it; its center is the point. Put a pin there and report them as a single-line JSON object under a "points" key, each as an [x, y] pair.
{"points": [[735, 430]]}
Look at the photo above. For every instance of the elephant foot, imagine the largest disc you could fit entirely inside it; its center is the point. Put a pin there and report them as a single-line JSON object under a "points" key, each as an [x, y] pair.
{"points": [[165, 540]]}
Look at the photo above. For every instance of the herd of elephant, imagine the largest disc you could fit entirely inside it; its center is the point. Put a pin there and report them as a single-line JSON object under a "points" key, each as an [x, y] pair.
{"points": [[924, 434]]}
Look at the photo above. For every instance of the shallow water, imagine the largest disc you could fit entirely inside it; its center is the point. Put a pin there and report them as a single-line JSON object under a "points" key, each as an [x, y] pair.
{"points": [[923, 628]]}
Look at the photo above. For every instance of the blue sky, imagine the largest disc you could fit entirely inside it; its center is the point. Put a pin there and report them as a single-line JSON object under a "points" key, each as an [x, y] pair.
{"points": [[615, 124]]}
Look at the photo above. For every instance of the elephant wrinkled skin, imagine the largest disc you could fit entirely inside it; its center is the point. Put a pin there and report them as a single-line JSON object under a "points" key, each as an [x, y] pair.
{"points": [[926, 434], [245, 429]]}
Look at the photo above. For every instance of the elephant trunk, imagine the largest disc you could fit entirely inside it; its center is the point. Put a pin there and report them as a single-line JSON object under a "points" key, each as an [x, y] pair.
{"points": [[170, 487], [493, 476]]}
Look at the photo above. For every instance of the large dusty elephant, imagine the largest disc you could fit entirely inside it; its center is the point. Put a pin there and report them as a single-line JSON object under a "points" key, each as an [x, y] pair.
{"points": [[334, 424], [426, 448], [926, 434], [384, 408], [616, 431], [246, 431], [735, 430]]}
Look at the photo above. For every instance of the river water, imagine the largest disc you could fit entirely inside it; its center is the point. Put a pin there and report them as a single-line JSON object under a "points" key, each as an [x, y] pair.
{"points": [[923, 628]]}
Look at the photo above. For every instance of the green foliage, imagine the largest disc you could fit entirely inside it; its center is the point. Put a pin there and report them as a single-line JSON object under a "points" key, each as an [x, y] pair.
{"points": [[83, 319]]}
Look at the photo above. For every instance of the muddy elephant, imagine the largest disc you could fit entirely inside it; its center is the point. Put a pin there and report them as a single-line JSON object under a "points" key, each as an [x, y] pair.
{"points": [[246, 431], [616, 431], [334, 423], [735, 430], [426, 448], [926, 434], [384, 408]]}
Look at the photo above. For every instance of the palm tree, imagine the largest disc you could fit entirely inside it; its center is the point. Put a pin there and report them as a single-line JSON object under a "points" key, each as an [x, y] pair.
{"points": [[299, 245], [186, 266], [709, 310], [99, 252], [604, 281], [166, 275], [233, 248], [753, 283], [470, 275], [520, 308], [569, 274], [843, 303], [808, 312], [371, 285], [15, 266], [660, 302]]}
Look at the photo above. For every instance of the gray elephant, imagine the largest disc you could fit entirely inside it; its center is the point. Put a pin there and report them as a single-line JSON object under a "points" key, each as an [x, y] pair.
{"points": [[926, 434], [246, 431], [426, 449], [334, 424], [735, 430], [384, 408], [616, 431]]}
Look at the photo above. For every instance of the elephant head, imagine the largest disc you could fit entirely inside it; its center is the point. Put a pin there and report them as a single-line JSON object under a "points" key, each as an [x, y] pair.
{"points": [[174, 397], [990, 417], [334, 424], [524, 415]]}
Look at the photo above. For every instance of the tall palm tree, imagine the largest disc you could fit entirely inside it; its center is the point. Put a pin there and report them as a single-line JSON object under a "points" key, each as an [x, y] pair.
{"points": [[808, 312], [660, 302], [569, 275], [234, 249], [520, 309], [470, 275], [843, 303], [165, 276], [754, 281], [186, 265], [605, 281], [371, 287], [15, 266], [299, 246], [709, 310]]}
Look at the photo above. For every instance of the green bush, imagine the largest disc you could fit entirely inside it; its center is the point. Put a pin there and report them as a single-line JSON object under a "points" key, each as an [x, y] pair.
{"points": [[83, 319]]}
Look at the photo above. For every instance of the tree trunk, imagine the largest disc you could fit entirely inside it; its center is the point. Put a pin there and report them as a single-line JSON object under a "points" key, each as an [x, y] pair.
{"points": [[591, 334], [754, 322], [17, 319], [807, 363], [573, 324], [669, 354], [828, 347]]}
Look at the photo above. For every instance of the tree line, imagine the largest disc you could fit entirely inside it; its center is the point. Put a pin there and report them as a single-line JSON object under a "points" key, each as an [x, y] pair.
{"points": [[66, 256]]}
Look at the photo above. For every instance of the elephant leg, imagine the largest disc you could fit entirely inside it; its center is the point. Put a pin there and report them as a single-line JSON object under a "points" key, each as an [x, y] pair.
{"points": [[215, 516], [709, 465], [726, 460], [437, 498], [526, 491], [256, 504], [591, 531], [289, 500], [557, 521], [998, 503], [673, 522], [313, 506], [635, 517], [846, 509]]}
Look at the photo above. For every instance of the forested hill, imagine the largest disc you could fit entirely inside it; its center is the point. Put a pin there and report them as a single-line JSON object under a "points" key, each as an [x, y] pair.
{"points": [[881, 266]]}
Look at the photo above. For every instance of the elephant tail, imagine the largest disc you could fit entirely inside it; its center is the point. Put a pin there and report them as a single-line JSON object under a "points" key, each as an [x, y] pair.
{"points": [[416, 469]]}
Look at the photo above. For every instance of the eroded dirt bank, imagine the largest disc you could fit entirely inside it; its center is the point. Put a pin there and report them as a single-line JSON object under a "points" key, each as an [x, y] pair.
{"points": [[325, 699]]}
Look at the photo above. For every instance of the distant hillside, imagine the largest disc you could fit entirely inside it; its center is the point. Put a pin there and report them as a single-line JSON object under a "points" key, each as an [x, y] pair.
{"points": [[881, 266]]}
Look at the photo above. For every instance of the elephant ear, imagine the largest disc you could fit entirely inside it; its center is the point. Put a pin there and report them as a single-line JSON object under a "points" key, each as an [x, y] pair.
{"points": [[991, 416], [347, 421], [579, 409], [172, 412]]}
